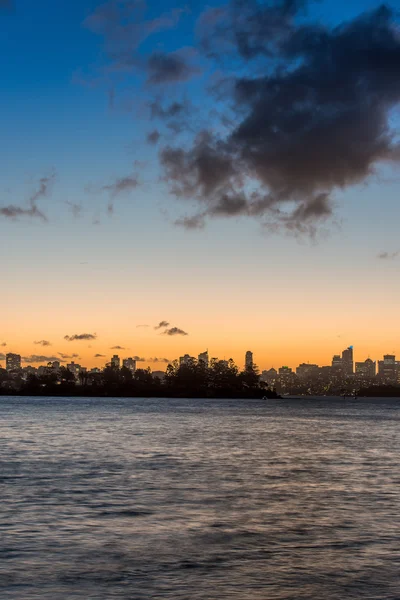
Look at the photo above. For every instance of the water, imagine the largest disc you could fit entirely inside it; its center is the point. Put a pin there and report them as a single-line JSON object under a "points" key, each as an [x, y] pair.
{"points": [[199, 499]]}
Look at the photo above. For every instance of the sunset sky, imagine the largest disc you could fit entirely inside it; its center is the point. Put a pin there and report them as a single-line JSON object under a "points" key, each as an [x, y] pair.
{"points": [[231, 169]]}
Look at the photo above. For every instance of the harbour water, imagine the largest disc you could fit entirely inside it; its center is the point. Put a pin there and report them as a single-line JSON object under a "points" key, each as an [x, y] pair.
{"points": [[199, 499]]}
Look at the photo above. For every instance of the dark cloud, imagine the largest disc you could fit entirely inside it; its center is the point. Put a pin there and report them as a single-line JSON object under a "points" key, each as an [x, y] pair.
{"points": [[13, 211], [158, 111], [68, 356], [78, 337], [153, 137], [312, 116], [167, 68], [388, 255], [174, 331], [99, 356], [38, 358], [162, 325], [117, 348], [139, 359], [43, 343]]}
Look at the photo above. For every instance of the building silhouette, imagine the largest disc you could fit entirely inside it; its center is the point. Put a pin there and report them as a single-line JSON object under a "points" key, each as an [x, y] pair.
{"points": [[203, 358], [347, 361], [129, 363], [248, 361], [388, 368], [366, 369], [185, 360], [13, 361], [116, 361], [337, 362]]}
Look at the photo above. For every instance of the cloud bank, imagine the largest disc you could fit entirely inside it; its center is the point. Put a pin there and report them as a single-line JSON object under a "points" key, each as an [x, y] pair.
{"points": [[300, 109]]}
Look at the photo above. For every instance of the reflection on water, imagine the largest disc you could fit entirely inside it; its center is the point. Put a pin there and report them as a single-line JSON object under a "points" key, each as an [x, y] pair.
{"points": [[190, 499]]}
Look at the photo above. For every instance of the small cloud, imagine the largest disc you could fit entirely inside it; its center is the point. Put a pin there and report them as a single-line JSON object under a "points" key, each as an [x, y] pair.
{"points": [[162, 325], [121, 185], [388, 255], [42, 343], [3, 345], [68, 356], [193, 222], [99, 355], [153, 137], [159, 360], [117, 348], [139, 359], [142, 326], [174, 331], [78, 337], [168, 68]]}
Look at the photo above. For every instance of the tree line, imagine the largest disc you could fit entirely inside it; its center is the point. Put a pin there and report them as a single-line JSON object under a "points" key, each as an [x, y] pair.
{"points": [[191, 379]]}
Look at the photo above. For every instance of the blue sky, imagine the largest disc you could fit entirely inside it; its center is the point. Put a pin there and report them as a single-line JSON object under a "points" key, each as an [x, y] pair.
{"points": [[57, 117]]}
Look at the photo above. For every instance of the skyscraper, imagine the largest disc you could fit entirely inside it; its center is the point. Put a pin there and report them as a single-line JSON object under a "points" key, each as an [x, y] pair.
{"points": [[130, 364], [203, 358], [366, 369], [248, 361], [115, 361], [13, 361], [347, 361], [388, 368]]}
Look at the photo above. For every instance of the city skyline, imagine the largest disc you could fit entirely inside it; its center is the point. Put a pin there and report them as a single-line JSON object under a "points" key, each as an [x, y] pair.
{"points": [[145, 180], [345, 360]]}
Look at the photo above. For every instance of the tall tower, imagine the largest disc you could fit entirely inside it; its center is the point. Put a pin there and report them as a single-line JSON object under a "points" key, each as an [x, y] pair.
{"points": [[248, 361], [13, 361], [347, 361], [203, 358], [115, 361]]}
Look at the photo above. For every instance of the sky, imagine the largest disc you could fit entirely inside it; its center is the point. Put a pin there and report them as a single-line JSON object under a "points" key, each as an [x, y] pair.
{"points": [[230, 169]]}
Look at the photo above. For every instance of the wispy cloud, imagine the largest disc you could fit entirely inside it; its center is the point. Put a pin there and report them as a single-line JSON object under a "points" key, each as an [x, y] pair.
{"points": [[3, 344], [78, 337], [43, 343], [159, 360], [117, 348], [162, 325], [39, 358], [142, 326], [13, 211], [122, 184], [99, 356], [388, 255], [68, 356]]}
